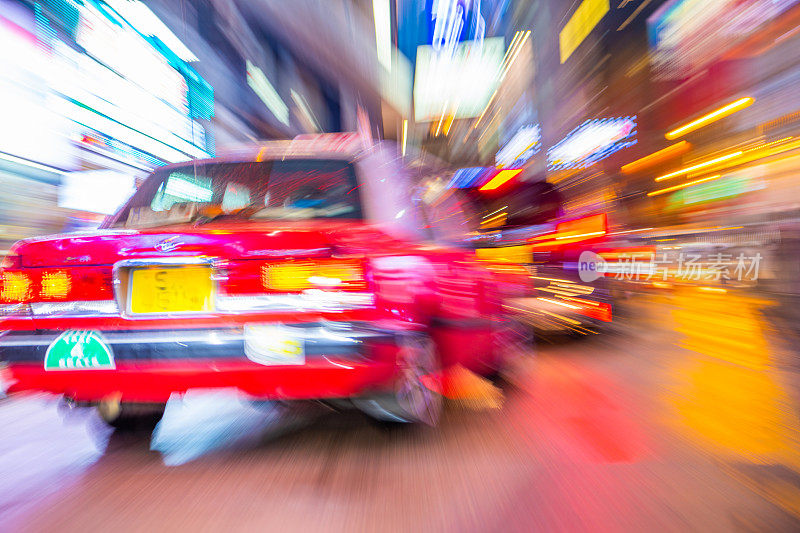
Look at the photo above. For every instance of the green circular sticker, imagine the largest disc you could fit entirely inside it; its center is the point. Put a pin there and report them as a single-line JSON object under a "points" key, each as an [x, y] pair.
{"points": [[79, 350]]}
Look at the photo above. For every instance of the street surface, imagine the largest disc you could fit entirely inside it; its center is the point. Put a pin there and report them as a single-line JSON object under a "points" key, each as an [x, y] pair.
{"points": [[683, 417]]}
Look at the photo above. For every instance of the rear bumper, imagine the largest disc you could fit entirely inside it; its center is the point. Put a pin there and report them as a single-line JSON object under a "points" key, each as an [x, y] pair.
{"points": [[340, 360]]}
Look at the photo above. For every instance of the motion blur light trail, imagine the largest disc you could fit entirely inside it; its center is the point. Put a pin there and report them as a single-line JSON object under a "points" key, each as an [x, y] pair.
{"points": [[227, 422], [713, 116], [729, 393], [470, 389], [48, 469]]}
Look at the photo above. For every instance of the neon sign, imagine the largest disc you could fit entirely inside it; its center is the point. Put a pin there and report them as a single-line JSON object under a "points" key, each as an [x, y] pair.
{"points": [[462, 83], [467, 177], [580, 25], [521, 147], [592, 141]]}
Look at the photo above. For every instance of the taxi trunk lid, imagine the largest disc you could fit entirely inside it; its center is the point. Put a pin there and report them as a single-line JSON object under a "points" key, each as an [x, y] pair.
{"points": [[232, 242]]}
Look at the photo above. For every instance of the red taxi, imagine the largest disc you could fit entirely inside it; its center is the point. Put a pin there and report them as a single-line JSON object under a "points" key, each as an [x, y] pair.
{"points": [[287, 271]]}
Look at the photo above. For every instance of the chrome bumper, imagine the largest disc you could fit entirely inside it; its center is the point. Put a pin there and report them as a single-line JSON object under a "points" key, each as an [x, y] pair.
{"points": [[342, 339]]}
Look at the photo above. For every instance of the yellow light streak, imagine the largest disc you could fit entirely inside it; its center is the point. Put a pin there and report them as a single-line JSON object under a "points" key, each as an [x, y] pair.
{"points": [[708, 118], [555, 291], [444, 111], [761, 152], [713, 289], [448, 123], [534, 143], [405, 135], [497, 216], [683, 185], [495, 211], [561, 317], [550, 300], [582, 301], [510, 49], [698, 166], [656, 157], [580, 235]]}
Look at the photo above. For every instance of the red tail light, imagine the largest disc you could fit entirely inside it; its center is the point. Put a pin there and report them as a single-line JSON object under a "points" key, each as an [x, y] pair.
{"points": [[295, 276], [16, 287], [572, 231], [583, 227], [55, 285], [601, 311]]}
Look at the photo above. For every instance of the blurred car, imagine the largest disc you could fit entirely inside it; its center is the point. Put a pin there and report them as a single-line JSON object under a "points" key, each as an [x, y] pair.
{"points": [[292, 270], [522, 224], [562, 301]]}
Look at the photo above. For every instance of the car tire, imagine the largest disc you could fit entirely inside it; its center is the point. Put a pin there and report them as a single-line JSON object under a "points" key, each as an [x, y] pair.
{"points": [[130, 416], [416, 397]]}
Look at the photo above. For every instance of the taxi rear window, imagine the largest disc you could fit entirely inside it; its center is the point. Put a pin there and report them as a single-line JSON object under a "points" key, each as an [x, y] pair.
{"points": [[291, 189]]}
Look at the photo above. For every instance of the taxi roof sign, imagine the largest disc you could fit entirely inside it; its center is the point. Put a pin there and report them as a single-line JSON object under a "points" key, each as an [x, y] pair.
{"points": [[334, 142]]}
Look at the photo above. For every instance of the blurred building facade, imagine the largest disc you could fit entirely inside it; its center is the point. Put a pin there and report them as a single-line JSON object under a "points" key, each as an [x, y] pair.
{"points": [[103, 91], [611, 84]]}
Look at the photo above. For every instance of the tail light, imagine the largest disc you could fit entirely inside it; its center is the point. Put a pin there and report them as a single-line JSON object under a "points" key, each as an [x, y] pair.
{"points": [[573, 231], [55, 285], [15, 287], [301, 275], [585, 227], [601, 311]]}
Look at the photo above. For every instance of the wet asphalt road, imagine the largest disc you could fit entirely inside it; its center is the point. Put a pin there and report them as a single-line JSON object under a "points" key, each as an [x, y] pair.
{"points": [[682, 417]]}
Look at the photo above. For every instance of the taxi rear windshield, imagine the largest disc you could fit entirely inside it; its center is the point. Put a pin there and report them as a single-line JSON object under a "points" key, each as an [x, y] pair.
{"points": [[292, 189]]}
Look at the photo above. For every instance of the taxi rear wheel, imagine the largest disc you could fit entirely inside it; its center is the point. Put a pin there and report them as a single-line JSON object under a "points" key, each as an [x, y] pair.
{"points": [[130, 416], [416, 396]]}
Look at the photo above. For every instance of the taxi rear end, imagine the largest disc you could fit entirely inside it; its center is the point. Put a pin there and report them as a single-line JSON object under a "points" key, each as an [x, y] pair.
{"points": [[178, 323], [191, 287]]}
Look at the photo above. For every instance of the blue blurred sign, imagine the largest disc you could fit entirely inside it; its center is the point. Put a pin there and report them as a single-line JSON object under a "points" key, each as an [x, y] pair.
{"points": [[467, 177], [591, 142]]}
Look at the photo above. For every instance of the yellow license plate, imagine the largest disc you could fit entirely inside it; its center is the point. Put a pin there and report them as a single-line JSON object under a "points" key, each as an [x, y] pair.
{"points": [[171, 290]]}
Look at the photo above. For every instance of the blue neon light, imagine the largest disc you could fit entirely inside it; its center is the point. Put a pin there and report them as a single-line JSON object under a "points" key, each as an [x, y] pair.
{"points": [[466, 177], [592, 141]]}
